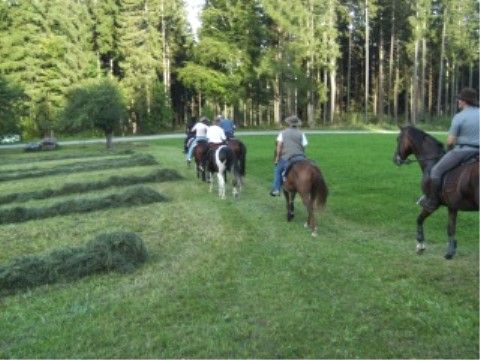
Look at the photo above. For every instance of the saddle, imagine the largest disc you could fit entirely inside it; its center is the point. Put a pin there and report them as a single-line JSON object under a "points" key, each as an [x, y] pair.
{"points": [[449, 183], [290, 162]]}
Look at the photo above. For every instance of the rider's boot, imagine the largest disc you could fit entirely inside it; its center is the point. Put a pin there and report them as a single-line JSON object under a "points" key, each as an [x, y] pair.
{"points": [[432, 199]]}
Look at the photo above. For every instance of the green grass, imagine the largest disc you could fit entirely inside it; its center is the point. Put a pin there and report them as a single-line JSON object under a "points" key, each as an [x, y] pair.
{"points": [[233, 279]]}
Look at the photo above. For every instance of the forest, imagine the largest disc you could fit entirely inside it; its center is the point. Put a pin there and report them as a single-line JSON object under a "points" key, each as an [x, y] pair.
{"points": [[136, 67]]}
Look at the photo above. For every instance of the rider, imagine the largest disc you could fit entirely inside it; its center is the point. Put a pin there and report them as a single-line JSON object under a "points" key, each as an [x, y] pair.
{"points": [[200, 130], [227, 125], [463, 142], [291, 143], [189, 135]]}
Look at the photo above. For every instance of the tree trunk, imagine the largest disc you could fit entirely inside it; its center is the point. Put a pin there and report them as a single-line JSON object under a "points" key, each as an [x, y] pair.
{"points": [[333, 90], [430, 87], [395, 93], [276, 101], [390, 62], [367, 65], [109, 139], [442, 55], [349, 65], [380, 78], [414, 85]]}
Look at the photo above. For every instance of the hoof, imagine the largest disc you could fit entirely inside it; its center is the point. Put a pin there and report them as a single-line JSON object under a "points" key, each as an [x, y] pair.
{"points": [[290, 217], [305, 225], [421, 248], [449, 256], [314, 234]]}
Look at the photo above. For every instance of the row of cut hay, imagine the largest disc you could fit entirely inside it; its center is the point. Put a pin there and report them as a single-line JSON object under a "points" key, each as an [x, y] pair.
{"points": [[70, 156], [77, 188], [136, 160], [137, 195], [122, 252]]}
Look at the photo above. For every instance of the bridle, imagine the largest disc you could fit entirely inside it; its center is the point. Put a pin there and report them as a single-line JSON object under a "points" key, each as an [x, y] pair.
{"points": [[408, 161]]}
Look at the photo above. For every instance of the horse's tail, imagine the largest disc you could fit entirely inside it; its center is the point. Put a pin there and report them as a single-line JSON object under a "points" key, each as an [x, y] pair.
{"points": [[319, 190], [237, 169], [242, 159]]}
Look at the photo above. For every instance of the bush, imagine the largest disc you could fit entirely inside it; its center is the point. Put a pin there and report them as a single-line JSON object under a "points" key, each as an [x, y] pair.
{"points": [[121, 252]]}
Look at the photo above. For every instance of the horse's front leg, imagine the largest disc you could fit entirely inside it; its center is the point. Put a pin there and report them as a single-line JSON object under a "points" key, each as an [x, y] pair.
{"points": [[420, 237], [289, 197], [451, 229]]}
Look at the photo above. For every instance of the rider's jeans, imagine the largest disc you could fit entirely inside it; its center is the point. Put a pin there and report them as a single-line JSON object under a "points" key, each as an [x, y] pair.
{"points": [[277, 174], [450, 160], [192, 146]]}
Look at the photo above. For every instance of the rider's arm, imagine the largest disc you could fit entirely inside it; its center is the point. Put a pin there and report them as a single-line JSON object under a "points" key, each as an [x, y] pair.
{"points": [[451, 141], [278, 151]]}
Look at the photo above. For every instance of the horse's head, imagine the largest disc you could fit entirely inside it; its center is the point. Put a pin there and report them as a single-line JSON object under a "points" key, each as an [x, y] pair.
{"points": [[404, 146]]}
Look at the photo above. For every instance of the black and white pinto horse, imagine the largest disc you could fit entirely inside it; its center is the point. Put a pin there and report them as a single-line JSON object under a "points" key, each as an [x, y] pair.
{"points": [[221, 161]]}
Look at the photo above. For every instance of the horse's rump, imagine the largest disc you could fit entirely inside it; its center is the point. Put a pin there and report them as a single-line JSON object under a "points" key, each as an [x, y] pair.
{"points": [[305, 177], [461, 184], [240, 151]]}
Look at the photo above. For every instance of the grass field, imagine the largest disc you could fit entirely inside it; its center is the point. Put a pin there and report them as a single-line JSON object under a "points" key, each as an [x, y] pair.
{"points": [[232, 279]]}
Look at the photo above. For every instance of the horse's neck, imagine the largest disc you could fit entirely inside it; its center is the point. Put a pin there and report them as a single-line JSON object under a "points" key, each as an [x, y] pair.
{"points": [[427, 155]]}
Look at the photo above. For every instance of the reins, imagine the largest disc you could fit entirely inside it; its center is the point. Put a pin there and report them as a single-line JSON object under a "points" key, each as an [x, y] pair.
{"points": [[408, 161]]}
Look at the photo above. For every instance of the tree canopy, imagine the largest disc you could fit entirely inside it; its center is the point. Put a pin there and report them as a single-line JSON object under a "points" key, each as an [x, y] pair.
{"points": [[327, 61]]}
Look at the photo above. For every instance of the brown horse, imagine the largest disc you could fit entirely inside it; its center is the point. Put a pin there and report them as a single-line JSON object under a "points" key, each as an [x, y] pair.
{"points": [[460, 185], [200, 155], [305, 178]]}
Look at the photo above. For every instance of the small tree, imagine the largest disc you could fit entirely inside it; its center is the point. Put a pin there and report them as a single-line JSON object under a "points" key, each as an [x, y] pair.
{"points": [[96, 104]]}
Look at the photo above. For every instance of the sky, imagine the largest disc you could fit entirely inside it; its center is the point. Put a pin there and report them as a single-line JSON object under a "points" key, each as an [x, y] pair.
{"points": [[193, 10]]}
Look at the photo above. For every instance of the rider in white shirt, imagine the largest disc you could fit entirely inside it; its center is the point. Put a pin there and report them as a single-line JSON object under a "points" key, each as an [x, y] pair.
{"points": [[200, 129], [215, 135]]}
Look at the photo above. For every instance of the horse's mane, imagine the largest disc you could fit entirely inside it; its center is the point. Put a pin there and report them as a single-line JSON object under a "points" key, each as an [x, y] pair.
{"points": [[418, 136]]}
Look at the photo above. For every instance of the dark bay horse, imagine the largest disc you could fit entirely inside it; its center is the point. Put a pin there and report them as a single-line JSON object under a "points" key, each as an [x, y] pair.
{"points": [[240, 151], [221, 161], [305, 178], [200, 156], [460, 185]]}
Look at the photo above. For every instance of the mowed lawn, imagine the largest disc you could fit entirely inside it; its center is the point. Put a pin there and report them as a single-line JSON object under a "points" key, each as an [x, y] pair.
{"points": [[232, 279]]}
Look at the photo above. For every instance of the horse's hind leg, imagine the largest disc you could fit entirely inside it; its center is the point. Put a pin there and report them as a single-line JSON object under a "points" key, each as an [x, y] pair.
{"points": [[451, 229], [420, 237], [221, 185], [289, 197], [308, 202]]}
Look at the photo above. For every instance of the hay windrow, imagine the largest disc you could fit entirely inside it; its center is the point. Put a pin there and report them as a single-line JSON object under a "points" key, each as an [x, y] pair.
{"points": [[135, 160], [55, 157], [78, 188], [120, 251], [137, 195]]}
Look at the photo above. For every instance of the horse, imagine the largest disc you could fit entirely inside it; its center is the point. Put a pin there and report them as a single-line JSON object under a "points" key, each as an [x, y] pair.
{"points": [[305, 178], [459, 185], [240, 151], [220, 161], [199, 154]]}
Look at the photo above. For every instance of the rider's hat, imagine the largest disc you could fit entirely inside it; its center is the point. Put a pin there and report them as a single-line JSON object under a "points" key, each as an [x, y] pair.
{"points": [[468, 95], [293, 121]]}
